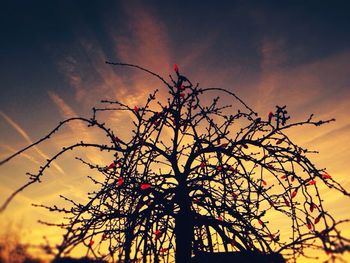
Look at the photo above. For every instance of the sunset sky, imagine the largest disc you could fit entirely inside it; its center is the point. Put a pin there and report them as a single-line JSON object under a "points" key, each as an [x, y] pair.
{"points": [[53, 53]]}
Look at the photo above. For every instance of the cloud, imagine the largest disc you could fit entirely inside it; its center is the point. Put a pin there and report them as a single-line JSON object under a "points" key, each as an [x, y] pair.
{"points": [[319, 85], [27, 156], [65, 109], [67, 112], [92, 80], [147, 42], [26, 137], [273, 54], [334, 133], [79, 129]]}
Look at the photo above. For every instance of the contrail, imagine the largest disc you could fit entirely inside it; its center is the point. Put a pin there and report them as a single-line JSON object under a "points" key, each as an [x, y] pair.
{"points": [[30, 158], [24, 135]]}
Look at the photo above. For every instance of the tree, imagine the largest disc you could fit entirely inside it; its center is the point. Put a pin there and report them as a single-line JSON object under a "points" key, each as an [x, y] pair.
{"points": [[13, 249], [195, 177]]}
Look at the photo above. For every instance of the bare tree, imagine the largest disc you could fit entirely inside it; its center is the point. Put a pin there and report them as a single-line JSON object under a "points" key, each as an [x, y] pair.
{"points": [[197, 177]]}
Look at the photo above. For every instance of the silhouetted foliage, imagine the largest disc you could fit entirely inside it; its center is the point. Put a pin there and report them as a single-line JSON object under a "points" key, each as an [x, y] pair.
{"points": [[77, 260], [194, 177], [12, 248], [245, 256]]}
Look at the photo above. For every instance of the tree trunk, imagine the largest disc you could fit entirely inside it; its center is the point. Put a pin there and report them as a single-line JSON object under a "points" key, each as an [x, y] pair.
{"points": [[183, 231]]}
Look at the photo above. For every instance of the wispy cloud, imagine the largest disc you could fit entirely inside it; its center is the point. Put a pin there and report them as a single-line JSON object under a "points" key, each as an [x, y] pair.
{"points": [[319, 85], [147, 42], [26, 137], [67, 112], [273, 55], [78, 128], [27, 156]]}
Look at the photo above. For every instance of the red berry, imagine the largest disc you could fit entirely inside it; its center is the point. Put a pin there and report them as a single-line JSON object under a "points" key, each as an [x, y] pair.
{"points": [[145, 186]]}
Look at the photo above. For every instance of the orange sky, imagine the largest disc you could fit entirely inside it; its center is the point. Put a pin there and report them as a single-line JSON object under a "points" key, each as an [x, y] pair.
{"points": [[319, 85]]}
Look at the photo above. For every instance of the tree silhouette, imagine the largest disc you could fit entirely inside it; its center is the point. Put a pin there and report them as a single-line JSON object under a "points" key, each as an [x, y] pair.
{"points": [[12, 247], [197, 176]]}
